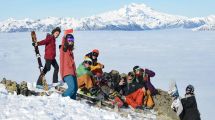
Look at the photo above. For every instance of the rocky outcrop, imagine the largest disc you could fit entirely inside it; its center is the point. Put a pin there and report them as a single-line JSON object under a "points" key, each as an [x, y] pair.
{"points": [[163, 102]]}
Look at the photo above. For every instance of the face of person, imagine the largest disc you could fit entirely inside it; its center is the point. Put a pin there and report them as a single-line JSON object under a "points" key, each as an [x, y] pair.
{"points": [[139, 72], [130, 78], [87, 64], [56, 34], [95, 55]]}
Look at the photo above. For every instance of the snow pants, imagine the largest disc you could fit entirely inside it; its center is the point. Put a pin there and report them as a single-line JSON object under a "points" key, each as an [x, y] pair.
{"points": [[135, 99], [48, 68], [85, 81], [148, 100], [71, 82]]}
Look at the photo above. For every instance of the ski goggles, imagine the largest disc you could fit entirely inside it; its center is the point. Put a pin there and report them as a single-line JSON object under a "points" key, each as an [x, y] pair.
{"points": [[95, 54], [70, 39], [88, 62]]}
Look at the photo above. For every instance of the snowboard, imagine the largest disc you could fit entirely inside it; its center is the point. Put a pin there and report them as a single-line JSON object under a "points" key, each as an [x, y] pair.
{"points": [[173, 90], [41, 78], [176, 104], [95, 101], [86, 97]]}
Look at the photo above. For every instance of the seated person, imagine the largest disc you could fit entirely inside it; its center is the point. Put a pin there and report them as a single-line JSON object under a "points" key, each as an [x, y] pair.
{"points": [[85, 76], [96, 67], [143, 76], [133, 92]]}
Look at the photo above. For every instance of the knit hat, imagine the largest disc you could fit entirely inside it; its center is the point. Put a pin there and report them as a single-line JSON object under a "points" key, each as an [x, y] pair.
{"points": [[88, 59], [68, 31], [122, 75], [114, 72], [135, 68], [190, 89], [96, 51]]}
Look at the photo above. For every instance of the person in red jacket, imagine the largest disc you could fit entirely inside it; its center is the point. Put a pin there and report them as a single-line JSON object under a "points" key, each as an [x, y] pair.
{"points": [[68, 67], [50, 54]]}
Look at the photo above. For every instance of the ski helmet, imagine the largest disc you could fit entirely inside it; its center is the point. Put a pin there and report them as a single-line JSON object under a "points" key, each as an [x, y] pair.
{"points": [[55, 30], [190, 89]]}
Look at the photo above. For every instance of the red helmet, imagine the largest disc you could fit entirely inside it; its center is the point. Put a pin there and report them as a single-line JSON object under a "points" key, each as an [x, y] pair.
{"points": [[96, 51]]}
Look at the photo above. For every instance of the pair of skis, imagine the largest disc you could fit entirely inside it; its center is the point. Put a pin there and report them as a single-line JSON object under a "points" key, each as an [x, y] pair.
{"points": [[37, 52]]}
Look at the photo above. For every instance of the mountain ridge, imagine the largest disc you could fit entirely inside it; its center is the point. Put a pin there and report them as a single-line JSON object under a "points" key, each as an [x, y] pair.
{"points": [[130, 17]]}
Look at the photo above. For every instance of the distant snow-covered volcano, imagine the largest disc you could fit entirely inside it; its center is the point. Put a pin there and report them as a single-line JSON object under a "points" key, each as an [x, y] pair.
{"points": [[130, 17]]}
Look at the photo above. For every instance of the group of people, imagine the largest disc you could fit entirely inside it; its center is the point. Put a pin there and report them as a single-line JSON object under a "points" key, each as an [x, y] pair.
{"points": [[133, 89]]}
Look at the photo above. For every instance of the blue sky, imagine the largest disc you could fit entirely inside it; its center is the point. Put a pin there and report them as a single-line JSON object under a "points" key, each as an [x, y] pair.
{"points": [[20, 9]]}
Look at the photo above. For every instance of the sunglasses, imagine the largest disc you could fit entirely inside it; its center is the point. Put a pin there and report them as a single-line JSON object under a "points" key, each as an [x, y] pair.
{"points": [[132, 75], [88, 62], [95, 54]]}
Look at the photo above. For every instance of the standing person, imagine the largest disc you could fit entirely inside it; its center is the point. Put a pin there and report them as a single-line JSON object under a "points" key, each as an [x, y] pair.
{"points": [[67, 66], [96, 67], [190, 109], [50, 54]]}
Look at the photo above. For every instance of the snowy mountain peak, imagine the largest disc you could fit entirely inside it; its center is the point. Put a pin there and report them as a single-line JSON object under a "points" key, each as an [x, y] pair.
{"points": [[135, 6], [130, 17]]}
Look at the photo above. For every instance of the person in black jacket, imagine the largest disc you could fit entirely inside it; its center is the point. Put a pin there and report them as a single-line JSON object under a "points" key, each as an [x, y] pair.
{"points": [[190, 109], [133, 92]]}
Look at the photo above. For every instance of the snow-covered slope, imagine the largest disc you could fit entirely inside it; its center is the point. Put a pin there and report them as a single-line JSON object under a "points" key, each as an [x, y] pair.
{"points": [[130, 17], [54, 107]]}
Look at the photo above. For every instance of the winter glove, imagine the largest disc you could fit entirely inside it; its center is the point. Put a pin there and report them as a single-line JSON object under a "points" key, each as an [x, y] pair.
{"points": [[60, 46], [65, 46], [35, 44]]}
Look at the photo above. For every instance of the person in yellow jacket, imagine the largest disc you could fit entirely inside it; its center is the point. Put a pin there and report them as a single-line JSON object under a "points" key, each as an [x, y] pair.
{"points": [[96, 67]]}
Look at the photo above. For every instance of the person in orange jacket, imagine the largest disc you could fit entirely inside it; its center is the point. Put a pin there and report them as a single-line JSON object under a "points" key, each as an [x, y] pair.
{"points": [[67, 66]]}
